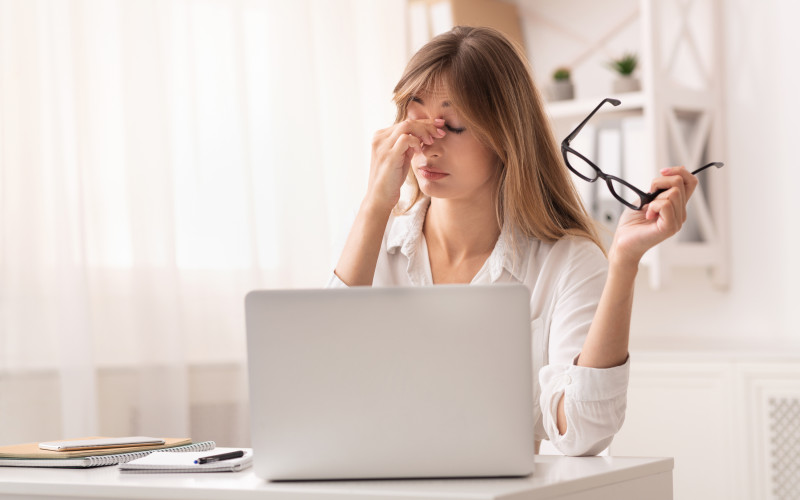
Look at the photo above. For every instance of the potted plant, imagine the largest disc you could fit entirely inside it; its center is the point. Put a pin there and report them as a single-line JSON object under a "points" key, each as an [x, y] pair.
{"points": [[562, 88], [624, 67]]}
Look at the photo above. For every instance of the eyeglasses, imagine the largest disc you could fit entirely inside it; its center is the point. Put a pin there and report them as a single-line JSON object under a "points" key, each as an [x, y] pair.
{"points": [[626, 193]]}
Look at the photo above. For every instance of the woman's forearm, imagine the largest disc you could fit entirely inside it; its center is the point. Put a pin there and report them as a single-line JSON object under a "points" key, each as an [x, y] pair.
{"points": [[356, 266], [606, 345]]}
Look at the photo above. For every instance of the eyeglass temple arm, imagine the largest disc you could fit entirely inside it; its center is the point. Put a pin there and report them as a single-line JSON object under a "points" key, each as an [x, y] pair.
{"points": [[575, 132], [717, 164], [652, 196]]}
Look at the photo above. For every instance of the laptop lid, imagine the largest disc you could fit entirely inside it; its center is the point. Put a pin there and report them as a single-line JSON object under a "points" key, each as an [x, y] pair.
{"points": [[391, 382]]}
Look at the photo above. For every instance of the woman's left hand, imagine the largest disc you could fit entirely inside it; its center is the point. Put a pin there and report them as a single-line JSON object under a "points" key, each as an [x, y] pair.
{"points": [[640, 230]]}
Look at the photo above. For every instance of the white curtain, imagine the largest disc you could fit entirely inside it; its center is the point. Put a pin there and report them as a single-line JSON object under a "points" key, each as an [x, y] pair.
{"points": [[159, 159]]}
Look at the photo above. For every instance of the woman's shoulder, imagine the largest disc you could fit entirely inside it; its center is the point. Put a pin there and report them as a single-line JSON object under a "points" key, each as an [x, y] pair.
{"points": [[568, 247], [579, 245], [534, 259], [567, 262]]}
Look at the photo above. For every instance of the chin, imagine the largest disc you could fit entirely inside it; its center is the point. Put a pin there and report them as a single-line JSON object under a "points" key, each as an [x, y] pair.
{"points": [[432, 190]]}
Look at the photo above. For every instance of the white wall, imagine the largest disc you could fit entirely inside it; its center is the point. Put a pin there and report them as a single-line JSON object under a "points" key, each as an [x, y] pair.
{"points": [[762, 78]]}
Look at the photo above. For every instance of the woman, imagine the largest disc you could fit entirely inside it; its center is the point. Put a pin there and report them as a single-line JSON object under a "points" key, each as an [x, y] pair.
{"points": [[489, 200]]}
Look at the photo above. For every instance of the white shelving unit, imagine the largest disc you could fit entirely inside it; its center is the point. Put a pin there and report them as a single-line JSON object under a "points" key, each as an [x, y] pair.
{"points": [[680, 105], [577, 109], [679, 47]]}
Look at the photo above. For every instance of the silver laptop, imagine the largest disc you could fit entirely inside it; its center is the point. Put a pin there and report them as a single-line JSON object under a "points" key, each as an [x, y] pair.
{"points": [[367, 383]]}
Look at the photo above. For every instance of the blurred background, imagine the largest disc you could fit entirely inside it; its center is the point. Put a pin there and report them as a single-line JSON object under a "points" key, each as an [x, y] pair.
{"points": [[160, 158]]}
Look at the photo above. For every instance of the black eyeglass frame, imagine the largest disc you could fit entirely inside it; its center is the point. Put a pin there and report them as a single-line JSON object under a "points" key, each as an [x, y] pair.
{"points": [[644, 198]]}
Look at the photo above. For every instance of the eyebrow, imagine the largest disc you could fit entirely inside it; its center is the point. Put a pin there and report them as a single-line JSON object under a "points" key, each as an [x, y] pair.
{"points": [[445, 104]]}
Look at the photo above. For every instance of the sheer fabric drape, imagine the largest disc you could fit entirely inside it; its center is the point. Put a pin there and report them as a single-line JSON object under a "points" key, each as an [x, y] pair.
{"points": [[158, 159]]}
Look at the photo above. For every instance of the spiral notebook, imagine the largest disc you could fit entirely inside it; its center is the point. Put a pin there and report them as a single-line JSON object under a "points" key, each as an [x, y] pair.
{"points": [[97, 460]]}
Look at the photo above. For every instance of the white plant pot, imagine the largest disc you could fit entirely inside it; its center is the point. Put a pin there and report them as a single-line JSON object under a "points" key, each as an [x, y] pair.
{"points": [[562, 90], [623, 84]]}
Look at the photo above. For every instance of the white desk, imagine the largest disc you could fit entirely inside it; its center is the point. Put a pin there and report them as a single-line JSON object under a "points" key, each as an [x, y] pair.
{"points": [[565, 478]]}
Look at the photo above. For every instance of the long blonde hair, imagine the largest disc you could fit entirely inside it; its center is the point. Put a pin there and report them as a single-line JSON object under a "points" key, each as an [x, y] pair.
{"points": [[489, 83]]}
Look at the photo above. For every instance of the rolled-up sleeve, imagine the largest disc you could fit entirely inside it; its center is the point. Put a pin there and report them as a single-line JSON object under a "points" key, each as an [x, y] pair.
{"points": [[335, 282], [594, 404]]}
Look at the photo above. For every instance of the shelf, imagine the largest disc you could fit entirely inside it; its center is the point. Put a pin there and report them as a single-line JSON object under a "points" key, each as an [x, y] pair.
{"points": [[579, 108], [676, 118]]}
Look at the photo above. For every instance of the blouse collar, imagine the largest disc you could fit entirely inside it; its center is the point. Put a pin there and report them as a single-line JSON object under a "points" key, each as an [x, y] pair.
{"points": [[406, 234]]}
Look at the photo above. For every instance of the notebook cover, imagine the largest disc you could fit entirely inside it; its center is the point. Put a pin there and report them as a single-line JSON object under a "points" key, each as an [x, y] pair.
{"points": [[32, 450]]}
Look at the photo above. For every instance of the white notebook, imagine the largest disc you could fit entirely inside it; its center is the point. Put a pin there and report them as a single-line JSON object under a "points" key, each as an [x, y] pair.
{"points": [[184, 462]]}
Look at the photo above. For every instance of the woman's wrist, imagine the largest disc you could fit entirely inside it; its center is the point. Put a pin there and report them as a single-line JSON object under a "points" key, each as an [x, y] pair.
{"points": [[375, 206], [623, 264]]}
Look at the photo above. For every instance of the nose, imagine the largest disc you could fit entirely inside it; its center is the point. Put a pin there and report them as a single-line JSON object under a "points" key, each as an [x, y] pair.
{"points": [[432, 150]]}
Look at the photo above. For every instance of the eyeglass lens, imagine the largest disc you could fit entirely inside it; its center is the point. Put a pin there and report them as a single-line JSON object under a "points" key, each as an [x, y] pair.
{"points": [[625, 193], [581, 166], [584, 169]]}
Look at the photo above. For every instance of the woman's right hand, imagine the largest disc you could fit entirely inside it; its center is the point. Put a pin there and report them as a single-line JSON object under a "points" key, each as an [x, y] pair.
{"points": [[392, 150]]}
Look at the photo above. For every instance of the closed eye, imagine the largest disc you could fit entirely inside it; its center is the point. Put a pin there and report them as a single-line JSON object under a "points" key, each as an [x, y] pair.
{"points": [[454, 130]]}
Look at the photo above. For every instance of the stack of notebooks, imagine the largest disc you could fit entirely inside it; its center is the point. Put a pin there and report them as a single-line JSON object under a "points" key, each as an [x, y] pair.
{"points": [[30, 455]]}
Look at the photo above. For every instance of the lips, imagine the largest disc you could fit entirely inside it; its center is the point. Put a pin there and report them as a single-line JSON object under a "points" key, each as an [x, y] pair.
{"points": [[431, 173]]}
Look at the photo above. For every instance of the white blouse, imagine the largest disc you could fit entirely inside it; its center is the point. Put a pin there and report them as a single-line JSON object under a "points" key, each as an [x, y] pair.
{"points": [[566, 279]]}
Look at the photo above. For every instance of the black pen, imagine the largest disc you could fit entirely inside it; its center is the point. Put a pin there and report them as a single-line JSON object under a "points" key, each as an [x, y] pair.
{"points": [[217, 458]]}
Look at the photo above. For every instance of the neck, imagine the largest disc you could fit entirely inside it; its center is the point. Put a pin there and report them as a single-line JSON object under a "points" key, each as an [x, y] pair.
{"points": [[462, 228]]}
